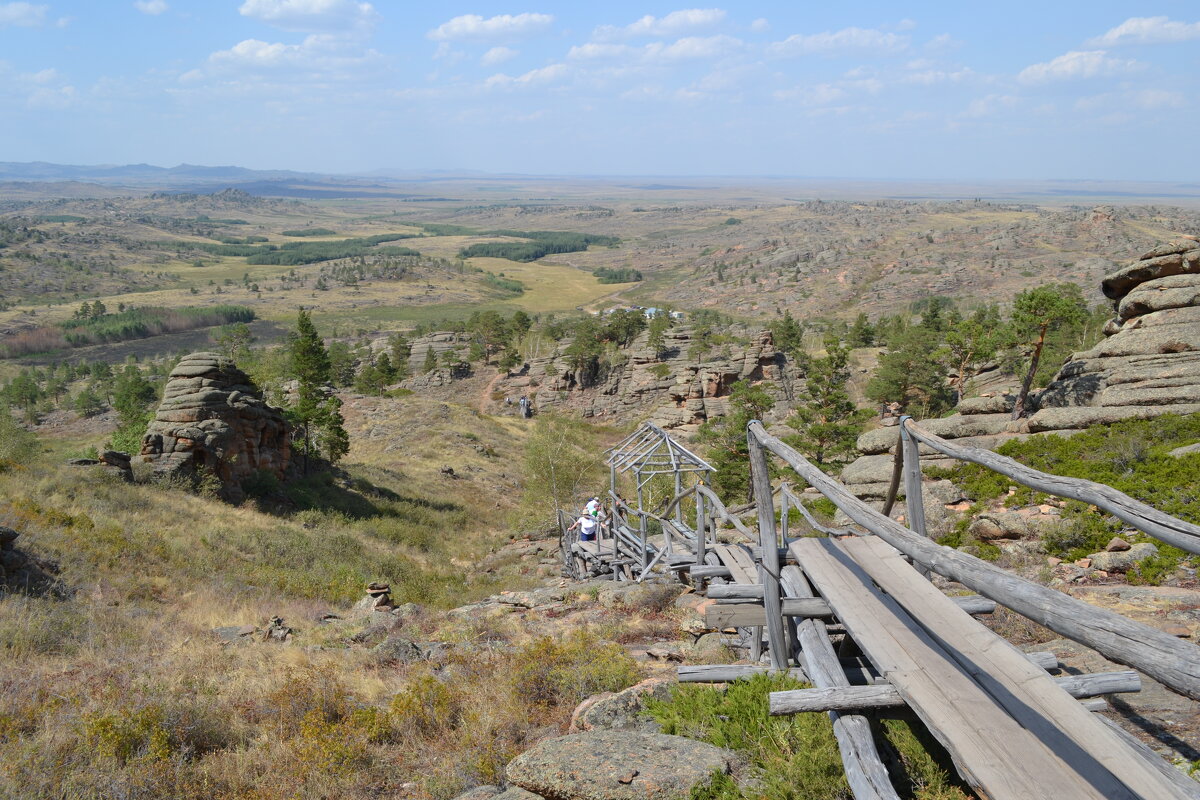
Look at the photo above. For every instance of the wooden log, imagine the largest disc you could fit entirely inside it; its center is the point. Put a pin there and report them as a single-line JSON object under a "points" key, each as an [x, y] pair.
{"points": [[768, 540], [972, 604], [728, 673], [913, 498], [1183, 535], [864, 769], [708, 571], [1169, 660], [741, 612], [884, 695]]}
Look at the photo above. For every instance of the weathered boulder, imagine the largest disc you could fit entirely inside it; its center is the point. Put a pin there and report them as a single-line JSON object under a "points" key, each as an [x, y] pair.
{"points": [[1122, 560], [212, 418], [617, 765], [622, 711]]}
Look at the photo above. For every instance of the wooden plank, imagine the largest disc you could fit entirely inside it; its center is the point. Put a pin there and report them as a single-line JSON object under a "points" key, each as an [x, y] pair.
{"points": [[740, 566], [1025, 692], [1165, 658], [728, 673], [864, 768], [884, 695], [993, 752], [747, 612], [972, 603]]}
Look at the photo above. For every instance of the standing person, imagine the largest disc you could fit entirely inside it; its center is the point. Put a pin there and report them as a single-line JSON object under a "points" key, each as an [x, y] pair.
{"points": [[587, 527], [593, 507]]}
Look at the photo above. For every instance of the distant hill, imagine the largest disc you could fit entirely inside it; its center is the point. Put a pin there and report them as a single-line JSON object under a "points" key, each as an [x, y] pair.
{"points": [[141, 174]]}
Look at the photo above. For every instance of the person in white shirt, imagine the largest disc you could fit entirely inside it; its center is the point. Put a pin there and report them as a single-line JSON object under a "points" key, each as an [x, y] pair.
{"points": [[592, 509], [587, 525]]}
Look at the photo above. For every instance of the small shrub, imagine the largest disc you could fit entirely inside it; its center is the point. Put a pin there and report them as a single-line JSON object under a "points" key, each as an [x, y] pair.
{"points": [[1156, 569], [660, 370], [557, 672]]}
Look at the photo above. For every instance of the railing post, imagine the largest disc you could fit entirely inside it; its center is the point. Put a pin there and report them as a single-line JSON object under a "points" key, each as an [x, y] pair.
{"points": [[912, 480], [783, 512], [701, 524], [760, 478], [642, 544]]}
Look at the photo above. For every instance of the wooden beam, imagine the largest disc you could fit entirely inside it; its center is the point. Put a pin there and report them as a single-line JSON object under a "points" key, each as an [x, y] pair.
{"points": [[1169, 660], [884, 695], [745, 614]]}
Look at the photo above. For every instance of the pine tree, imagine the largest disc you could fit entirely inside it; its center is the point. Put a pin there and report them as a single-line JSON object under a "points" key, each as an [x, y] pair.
{"points": [[726, 440], [316, 414], [430, 361], [1036, 313], [826, 420]]}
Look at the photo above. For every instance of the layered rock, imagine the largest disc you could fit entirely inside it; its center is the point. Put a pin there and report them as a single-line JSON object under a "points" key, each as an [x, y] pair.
{"points": [[212, 418], [1149, 364]]}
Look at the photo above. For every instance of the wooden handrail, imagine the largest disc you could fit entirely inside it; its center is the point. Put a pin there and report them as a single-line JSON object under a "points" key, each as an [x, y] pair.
{"points": [[1158, 524]]}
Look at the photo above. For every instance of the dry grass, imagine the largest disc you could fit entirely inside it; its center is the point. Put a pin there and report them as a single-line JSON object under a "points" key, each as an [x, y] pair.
{"points": [[120, 689]]}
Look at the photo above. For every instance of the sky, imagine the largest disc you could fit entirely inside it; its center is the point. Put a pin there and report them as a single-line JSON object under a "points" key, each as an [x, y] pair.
{"points": [[1070, 89]]}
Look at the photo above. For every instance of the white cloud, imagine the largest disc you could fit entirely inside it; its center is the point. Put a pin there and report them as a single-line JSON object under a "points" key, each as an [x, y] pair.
{"points": [[151, 7], [1159, 98], [821, 94], [673, 24], [497, 55], [535, 77], [329, 57], [502, 27], [25, 15], [596, 51], [929, 77], [692, 47], [1075, 65], [311, 15], [990, 105], [49, 98], [1148, 30], [759, 25], [831, 42]]}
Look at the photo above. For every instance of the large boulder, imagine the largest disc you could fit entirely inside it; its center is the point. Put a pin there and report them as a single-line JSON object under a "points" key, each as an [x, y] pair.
{"points": [[617, 765], [214, 419]]}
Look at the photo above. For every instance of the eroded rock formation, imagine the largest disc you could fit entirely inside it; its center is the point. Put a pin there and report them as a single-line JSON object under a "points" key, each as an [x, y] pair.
{"points": [[675, 388], [214, 419], [1149, 364]]}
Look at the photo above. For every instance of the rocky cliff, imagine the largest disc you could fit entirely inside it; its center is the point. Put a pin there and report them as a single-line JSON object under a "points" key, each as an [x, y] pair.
{"points": [[213, 418]]}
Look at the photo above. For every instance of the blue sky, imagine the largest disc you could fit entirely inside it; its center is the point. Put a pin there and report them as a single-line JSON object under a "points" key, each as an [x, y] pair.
{"points": [[959, 91]]}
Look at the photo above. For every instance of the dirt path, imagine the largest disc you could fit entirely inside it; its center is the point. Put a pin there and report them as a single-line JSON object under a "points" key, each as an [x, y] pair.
{"points": [[485, 396]]}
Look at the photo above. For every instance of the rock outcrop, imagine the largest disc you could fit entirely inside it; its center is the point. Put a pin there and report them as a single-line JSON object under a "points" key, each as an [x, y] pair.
{"points": [[1149, 364], [673, 387], [212, 418]]}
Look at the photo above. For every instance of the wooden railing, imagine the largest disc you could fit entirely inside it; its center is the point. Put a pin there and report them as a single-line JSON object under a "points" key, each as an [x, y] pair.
{"points": [[1169, 660]]}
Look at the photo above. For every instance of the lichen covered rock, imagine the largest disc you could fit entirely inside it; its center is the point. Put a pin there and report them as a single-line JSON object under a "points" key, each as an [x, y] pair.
{"points": [[213, 419]]}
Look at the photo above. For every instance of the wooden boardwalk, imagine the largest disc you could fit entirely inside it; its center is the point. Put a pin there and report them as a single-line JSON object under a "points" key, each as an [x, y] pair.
{"points": [[845, 610]]}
